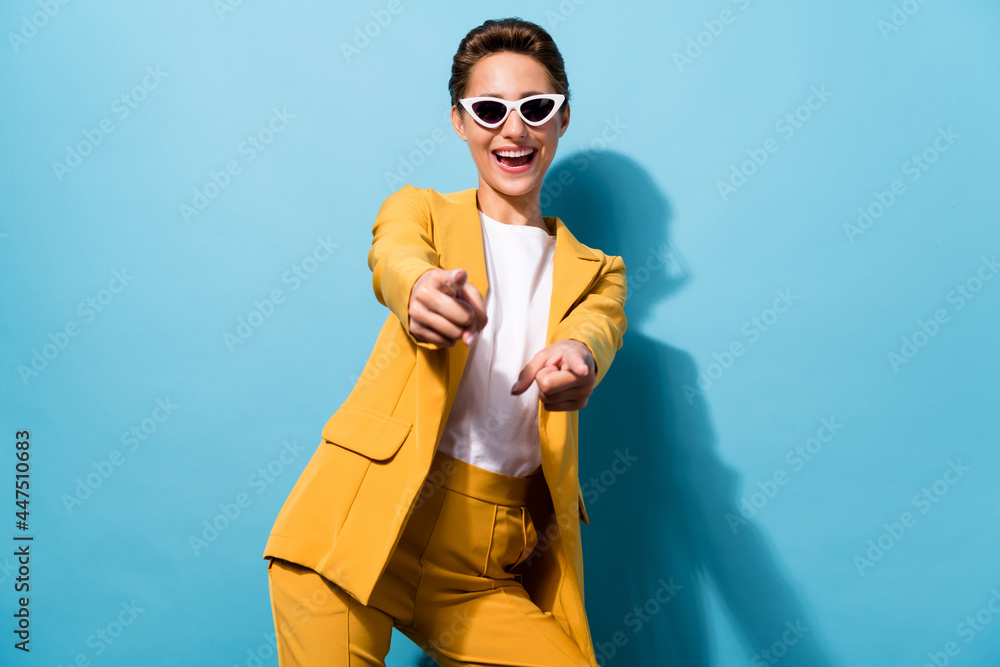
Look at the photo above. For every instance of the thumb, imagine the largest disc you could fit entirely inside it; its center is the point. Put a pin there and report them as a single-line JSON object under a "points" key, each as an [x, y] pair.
{"points": [[456, 279]]}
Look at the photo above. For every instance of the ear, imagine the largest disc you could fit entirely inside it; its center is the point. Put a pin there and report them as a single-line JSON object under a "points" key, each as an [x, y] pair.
{"points": [[458, 123], [564, 120]]}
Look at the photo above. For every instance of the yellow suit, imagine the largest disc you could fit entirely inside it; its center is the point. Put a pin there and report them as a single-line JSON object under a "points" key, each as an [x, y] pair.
{"points": [[344, 516]]}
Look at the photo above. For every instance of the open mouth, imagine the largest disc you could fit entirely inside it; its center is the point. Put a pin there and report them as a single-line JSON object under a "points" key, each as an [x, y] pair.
{"points": [[514, 159]]}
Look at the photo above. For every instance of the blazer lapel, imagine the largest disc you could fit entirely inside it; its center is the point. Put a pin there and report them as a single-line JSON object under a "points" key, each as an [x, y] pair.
{"points": [[574, 268], [459, 240]]}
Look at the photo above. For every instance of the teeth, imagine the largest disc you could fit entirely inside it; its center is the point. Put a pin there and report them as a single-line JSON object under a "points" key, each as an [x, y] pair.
{"points": [[517, 153]]}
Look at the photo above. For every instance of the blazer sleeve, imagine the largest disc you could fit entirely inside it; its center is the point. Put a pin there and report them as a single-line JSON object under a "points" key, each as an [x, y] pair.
{"points": [[402, 249], [598, 319]]}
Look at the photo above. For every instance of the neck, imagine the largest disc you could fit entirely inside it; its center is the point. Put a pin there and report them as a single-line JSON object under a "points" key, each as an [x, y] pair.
{"points": [[512, 209]]}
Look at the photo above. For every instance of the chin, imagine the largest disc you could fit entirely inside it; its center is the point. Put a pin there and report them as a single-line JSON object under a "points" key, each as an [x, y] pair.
{"points": [[513, 189], [513, 186]]}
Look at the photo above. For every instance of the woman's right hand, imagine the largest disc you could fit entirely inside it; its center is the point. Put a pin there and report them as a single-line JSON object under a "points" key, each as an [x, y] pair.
{"points": [[444, 307]]}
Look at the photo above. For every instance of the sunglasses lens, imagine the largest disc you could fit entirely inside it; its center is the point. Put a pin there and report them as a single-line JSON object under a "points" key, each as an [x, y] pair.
{"points": [[489, 112], [537, 110]]}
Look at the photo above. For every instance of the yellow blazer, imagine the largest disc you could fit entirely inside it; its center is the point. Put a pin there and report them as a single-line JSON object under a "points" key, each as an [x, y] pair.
{"points": [[346, 512]]}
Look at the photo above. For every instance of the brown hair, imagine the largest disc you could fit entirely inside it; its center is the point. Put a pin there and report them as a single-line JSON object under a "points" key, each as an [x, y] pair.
{"points": [[512, 35]]}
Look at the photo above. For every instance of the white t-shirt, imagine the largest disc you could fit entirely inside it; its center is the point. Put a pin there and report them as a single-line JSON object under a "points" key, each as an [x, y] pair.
{"points": [[487, 426]]}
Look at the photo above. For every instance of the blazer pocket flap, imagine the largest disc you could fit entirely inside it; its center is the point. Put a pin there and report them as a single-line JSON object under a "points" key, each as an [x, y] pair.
{"points": [[368, 433]]}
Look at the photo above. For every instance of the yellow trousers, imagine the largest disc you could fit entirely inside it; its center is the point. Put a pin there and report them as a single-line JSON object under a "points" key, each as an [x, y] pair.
{"points": [[447, 586]]}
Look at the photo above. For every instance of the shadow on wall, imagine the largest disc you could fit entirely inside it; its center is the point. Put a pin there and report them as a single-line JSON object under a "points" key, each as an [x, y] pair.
{"points": [[663, 504]]}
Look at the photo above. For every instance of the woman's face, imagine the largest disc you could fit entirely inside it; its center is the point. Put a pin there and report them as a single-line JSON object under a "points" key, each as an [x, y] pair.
{"points": [[510, 76]]}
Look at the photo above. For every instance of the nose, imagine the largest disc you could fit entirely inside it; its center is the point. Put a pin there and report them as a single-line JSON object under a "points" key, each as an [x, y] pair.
{"points": [[514, 126]]}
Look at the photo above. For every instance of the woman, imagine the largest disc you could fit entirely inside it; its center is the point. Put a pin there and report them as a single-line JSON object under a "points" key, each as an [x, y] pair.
{"points": [[444, 500]]}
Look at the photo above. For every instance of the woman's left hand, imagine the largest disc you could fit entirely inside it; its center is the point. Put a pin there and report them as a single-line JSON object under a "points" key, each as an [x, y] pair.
{"points": [[564, 372]]}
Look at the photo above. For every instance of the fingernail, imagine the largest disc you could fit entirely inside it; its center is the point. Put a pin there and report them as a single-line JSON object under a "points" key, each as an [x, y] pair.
{"points": [[472, 337]]}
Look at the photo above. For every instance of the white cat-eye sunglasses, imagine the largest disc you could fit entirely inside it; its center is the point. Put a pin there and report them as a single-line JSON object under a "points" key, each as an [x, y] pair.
{"points": [[534, 110]]}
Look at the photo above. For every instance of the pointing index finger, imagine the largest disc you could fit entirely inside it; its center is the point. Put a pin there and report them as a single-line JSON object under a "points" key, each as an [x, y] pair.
{"points": [[470, 295]]}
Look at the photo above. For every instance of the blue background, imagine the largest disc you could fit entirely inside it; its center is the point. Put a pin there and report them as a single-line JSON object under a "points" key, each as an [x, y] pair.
{"points": [[652, 136]]}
